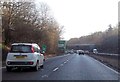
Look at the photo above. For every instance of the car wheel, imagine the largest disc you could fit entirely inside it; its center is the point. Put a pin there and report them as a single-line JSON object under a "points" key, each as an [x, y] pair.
{"points": [[8, 68], [36, 67], [43, 59], [42, 66]]}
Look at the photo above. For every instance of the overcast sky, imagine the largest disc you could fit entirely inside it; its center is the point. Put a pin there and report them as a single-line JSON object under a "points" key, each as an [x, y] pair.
{"points": [[83, 17]]}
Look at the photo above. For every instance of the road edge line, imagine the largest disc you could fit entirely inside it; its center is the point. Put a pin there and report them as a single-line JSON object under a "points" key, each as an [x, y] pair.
{"points": [[106, 66]]}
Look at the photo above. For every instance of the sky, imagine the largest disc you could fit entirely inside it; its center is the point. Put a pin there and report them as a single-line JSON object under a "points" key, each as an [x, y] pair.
{"points": [[83, 17]]}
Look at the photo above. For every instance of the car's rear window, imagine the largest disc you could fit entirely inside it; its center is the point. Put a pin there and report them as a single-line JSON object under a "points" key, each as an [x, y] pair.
{"points": [[21, 49]]}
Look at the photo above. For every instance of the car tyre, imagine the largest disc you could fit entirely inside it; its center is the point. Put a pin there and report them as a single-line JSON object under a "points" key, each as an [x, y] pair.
{"points": [[42, 66], [9, 69], [44, 60], [36, 67]]}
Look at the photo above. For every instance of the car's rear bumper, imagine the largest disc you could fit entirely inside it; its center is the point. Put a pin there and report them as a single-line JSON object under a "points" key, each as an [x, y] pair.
{"points": [[20, 63]]}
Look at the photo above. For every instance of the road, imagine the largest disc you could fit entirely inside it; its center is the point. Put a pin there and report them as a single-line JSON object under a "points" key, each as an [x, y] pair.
{"points": [[67, 67]]}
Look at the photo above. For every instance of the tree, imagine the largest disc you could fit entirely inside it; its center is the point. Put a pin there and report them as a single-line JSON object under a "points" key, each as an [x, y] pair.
{"points": [[30, 24], [106, 41]]}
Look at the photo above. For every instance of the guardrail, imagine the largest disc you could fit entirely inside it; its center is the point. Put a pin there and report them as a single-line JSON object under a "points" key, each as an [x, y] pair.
{"points": [[107, 54]]}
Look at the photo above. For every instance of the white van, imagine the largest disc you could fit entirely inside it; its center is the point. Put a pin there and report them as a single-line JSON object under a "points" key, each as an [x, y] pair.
{"points": [[24, 55], [95, 51]]}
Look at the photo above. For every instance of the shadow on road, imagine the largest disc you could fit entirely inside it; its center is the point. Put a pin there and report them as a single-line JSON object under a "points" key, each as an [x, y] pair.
{"points": [[15, 70]]}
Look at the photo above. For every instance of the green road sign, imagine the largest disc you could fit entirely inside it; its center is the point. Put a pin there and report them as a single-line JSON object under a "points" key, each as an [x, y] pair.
{"points": [[44, 47], [62, 44]]}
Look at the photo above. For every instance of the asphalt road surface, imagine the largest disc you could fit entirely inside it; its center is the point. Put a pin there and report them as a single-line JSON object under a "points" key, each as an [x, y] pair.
{"points": [[67, 67]]}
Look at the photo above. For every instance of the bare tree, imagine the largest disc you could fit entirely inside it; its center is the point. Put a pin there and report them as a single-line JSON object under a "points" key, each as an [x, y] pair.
{"points": [[24, 22]]}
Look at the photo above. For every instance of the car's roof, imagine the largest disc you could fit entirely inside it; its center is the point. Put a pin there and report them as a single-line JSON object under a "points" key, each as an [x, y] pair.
{"points": [[24, 44]]}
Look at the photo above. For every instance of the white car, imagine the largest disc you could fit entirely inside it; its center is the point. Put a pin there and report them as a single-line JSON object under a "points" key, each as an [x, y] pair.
{"points": [[24, 55], [80, 52]]}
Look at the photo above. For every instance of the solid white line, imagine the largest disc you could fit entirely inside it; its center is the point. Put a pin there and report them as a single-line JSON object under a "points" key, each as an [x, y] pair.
{"points": [[56, 69], [106, 66]]}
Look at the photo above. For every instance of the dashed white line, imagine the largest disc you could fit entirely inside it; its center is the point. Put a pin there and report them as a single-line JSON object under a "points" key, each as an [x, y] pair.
{"points": [[65, 62], [42, 69], [61, 64], [44, 76], [56, 69]]}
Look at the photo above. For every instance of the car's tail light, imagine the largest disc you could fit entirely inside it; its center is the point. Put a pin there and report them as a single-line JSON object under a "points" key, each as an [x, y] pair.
{"points": [[32, 49], [31, 63]]}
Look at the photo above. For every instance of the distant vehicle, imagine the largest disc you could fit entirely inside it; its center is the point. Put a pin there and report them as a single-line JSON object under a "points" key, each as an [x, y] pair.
{"points": [[24, 55], [95, 51], [86, 52], [69, 52], [75, 51], [80, 52]]}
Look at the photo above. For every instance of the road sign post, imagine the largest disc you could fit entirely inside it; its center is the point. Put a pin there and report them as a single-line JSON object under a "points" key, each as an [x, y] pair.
{"points": [[62, 46], [44, 47]]}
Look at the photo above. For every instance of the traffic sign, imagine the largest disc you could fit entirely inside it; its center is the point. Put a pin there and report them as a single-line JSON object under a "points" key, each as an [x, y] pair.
{"points": [[44, 47], [62, 45]]}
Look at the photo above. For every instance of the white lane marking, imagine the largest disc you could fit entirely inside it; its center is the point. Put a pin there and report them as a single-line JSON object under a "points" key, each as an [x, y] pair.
{"points": [[44, 76], [105, 66], [42, 69], [65, 62], [61, 64], [56, 69]]}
